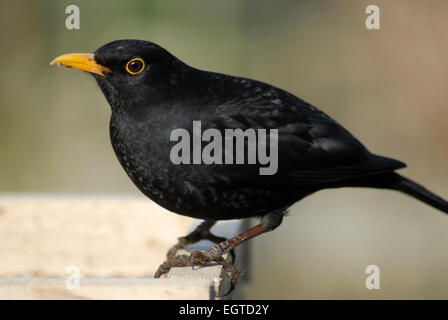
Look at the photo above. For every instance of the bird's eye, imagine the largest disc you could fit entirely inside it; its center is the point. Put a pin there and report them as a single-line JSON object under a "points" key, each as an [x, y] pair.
{"points": [[135, 66]]}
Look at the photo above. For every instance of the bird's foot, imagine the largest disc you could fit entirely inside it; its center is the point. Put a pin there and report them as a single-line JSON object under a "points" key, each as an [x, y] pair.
{"points": [[215, 254], [200, 257], [197, 258], [180, 245], [203, 257]]}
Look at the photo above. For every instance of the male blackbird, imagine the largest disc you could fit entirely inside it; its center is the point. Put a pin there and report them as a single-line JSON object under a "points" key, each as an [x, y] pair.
{"points": [[152, 93]]}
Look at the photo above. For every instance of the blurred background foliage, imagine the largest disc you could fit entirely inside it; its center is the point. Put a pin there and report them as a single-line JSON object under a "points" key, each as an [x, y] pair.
{"points": [[388, 87]]}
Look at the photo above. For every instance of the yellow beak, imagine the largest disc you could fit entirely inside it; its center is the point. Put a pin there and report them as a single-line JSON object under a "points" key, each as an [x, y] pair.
{"points": [[81, 61]]}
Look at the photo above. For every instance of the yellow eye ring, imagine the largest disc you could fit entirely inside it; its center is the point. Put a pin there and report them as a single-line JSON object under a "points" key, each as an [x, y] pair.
{"points": [[135, 66]]}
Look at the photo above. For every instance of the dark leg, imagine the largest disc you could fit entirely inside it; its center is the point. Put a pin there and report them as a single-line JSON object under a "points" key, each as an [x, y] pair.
{"points": [[268, 223], [199, 257], [202, 232]]}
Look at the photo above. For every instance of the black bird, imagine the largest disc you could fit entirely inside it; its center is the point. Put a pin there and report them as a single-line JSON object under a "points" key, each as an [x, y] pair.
{"points": [[152, 93]]}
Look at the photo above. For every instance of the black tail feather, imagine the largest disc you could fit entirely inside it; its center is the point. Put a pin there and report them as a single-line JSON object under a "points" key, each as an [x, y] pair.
{"points": [[394, 181], [400, 183]]}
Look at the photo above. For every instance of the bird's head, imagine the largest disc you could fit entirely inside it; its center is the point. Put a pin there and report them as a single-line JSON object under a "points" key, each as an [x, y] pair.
{"points": [[129, 71]]}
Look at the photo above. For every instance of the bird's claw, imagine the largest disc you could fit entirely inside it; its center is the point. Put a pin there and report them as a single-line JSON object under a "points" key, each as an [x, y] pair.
{"points": [[198, 258]]}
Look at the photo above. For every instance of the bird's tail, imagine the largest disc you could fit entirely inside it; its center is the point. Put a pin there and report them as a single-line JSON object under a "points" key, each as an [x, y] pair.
{"points": [[394, 181], [417, 191]]}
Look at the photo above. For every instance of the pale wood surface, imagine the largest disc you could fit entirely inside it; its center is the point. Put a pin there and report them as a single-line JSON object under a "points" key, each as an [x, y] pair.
{"points": [[117, 242]]}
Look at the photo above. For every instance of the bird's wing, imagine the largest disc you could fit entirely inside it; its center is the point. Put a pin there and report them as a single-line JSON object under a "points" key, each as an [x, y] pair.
{"points": [[313, 149]]}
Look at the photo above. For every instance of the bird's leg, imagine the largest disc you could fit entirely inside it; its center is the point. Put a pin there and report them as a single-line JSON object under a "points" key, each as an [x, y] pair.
{"points": [[268, 223], [202, 232], [200, 257]]}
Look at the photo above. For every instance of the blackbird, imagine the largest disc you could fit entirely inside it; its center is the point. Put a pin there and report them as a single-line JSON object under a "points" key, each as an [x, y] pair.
{"points": [[152, 94]]}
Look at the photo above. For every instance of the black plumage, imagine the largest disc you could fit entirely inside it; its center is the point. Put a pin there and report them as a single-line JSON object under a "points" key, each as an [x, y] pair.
{"points": [[314, 151]]}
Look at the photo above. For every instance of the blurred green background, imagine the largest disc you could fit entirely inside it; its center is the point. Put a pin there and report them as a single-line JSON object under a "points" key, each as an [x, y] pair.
{"points": [[388, 87]]}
